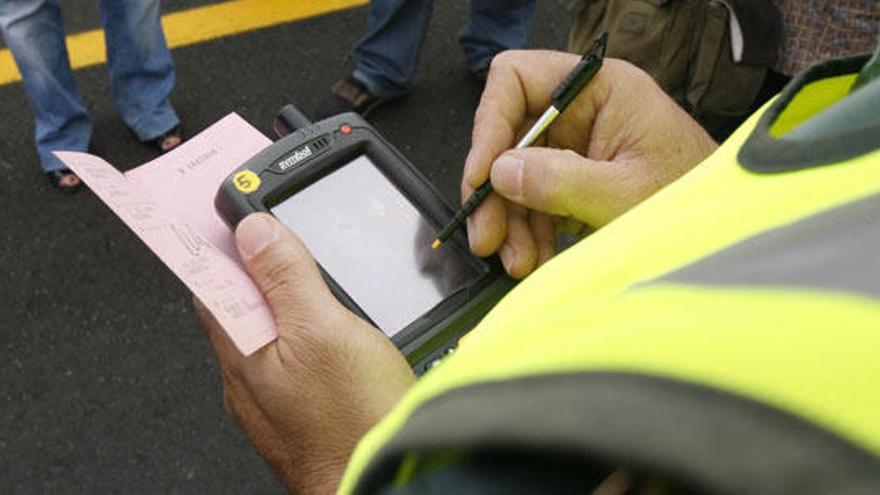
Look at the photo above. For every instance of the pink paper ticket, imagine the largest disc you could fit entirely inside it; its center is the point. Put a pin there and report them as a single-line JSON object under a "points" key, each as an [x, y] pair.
{"points": [[168, 203]]}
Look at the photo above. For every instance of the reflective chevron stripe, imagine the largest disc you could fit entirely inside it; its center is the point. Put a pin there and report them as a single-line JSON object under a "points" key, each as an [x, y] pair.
{"points": [[838, 249]]}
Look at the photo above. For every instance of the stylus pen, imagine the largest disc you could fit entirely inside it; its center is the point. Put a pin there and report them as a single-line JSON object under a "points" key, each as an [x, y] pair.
{"points": [[565, 93]]}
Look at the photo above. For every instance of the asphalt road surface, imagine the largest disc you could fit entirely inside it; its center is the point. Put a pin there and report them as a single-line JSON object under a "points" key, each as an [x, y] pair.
{"points": [[107, 383]]}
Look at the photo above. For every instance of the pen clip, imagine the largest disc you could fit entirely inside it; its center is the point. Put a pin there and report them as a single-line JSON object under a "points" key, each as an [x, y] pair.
{"points": [[599, 45], [581, 74]]}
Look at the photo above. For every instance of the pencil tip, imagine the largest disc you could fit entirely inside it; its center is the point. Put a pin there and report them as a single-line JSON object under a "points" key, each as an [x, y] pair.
{"points": [[436, 244]]}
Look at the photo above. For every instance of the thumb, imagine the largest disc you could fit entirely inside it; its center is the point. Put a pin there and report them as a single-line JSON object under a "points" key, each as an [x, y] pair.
{"points": [[282, 268], [558, 182]]}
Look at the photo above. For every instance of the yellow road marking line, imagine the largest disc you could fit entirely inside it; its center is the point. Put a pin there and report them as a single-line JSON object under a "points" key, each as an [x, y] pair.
{"points": [[193, 26]]}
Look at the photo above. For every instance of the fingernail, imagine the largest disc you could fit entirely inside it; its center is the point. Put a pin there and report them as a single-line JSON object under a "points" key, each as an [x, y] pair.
{"points": [[508, 255], [507, 174], [471, 233], [254, 233], [468, 168]]}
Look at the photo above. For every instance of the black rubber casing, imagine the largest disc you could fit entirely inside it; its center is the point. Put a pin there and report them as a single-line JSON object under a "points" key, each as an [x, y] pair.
{"points": [[299, 159]]}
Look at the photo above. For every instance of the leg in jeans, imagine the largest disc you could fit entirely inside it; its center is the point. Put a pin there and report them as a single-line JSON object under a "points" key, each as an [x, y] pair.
{"points": [[495, 26], [141, 72], [386, 57], [33, 31]]}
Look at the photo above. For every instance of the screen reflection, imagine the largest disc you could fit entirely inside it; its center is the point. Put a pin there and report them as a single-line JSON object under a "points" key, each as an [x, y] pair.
{"points": [[375, 244]]}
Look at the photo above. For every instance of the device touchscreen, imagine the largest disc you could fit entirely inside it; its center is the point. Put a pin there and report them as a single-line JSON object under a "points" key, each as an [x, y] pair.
{"points": [[375, 244]]}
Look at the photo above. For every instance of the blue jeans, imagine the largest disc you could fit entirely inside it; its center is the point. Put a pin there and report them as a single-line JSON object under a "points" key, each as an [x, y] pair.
{"points": [[141, 73], [386, 57]]}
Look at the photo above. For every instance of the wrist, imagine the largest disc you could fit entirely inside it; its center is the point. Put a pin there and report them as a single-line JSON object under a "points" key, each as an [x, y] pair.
{"points": [[312, 476]]}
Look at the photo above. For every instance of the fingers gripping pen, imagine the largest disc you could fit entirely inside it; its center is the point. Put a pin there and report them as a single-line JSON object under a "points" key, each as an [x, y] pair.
{"points": [[565, 93]]}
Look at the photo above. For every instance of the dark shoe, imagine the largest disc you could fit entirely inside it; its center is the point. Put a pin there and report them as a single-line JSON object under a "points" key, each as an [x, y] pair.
{"points": [[64, 180], [169, 140], [347, 95]]}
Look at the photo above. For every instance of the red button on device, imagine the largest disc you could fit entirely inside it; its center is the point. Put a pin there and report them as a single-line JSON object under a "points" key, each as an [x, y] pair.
{"points": [[345, 129]]}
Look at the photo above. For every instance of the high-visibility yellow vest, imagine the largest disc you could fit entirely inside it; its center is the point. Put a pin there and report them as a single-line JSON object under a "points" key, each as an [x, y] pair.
{"points": [[725, 331]]}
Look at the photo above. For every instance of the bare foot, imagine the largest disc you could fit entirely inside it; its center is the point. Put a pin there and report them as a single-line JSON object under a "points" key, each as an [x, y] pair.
{"points": [[64, 180], [170, 142], [69, 181]]}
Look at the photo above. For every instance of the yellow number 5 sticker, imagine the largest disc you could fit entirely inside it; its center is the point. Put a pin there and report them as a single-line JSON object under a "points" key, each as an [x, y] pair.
{"points": [[246, 181]]}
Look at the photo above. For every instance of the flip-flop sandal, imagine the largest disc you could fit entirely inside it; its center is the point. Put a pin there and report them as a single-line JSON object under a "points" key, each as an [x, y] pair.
{"points": [[159, 142], [60, 179]]}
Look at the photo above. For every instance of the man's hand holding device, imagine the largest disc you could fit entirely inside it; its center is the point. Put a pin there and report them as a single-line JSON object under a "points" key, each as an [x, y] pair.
{"points": [[306, 399], [369, 217]]}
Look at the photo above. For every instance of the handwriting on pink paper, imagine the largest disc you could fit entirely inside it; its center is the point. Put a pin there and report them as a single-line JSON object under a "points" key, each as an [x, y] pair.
{"points": [[169, 204]]}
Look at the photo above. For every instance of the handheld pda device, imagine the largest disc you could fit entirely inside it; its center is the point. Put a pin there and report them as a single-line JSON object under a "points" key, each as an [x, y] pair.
{"points": [[369, 216]]}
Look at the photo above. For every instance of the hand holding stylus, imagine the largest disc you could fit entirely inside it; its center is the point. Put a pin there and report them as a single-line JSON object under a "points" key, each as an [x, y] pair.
{"points": [[618, 142]]}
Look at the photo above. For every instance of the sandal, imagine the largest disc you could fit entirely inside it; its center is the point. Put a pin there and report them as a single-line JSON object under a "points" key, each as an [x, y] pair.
{"points": [[64, 180], [169, 140], [347, 95]]}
